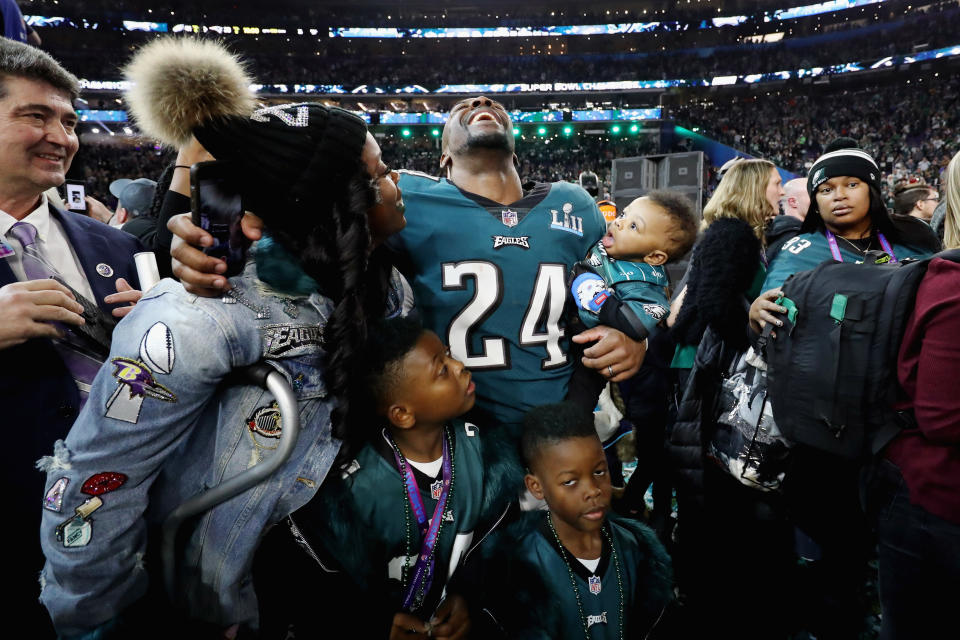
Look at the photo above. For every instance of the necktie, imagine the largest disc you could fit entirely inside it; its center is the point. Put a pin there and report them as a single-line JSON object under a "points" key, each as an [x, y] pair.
{"points": [[82, 366]]}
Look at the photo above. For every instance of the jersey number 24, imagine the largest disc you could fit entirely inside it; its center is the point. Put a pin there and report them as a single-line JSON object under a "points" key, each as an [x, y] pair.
{"points": [[544, 309]]}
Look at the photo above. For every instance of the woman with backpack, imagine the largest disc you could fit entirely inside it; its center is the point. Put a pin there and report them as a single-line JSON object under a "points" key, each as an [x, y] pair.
{"points": [[847, 222], [916, 484], [724, 527]]}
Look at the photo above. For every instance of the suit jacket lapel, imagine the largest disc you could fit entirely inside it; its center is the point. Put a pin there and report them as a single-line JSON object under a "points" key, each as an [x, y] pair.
{"points": [[90, 247]]}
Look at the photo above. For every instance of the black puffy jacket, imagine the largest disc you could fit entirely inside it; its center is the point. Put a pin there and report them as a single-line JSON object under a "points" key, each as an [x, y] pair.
{"points": [[714, 316]]}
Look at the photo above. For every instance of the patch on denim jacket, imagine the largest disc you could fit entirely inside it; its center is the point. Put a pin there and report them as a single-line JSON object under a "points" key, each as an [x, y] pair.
{"points": [[101, 483], [156, 348], [77, 531], [265, 427], [53, 500], [298, 383], [282, 339], [266, 421], [135, 383]]}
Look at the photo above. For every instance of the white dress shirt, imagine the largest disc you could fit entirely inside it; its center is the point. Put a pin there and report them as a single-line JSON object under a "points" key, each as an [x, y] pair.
{"points": [[53, 244]]}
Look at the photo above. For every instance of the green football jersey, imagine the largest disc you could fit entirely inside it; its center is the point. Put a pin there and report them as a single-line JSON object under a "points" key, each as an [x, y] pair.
{"points": [[490, 280], [600, 591], [806, 251], [375, 497]]}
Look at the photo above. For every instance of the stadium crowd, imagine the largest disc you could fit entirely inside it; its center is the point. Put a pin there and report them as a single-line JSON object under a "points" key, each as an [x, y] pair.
{"points": [[910, 132], [433, 62], [337, 64], [502, 12], [371, 403]]}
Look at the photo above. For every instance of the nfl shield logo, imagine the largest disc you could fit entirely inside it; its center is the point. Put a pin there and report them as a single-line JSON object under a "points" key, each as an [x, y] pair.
{"points": [[594, 582], [436, 489], [509, 217]]}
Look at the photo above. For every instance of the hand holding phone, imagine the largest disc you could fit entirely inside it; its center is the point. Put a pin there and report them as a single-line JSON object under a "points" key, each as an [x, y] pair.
{"points": [[217, 209]]}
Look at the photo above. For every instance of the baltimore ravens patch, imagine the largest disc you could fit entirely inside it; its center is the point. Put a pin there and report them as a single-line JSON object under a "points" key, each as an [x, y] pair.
{"points": [[136, 382]]}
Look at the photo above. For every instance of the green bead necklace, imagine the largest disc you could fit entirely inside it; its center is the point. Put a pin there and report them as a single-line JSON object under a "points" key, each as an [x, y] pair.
{"points": [[573, 580], [408, 544]]}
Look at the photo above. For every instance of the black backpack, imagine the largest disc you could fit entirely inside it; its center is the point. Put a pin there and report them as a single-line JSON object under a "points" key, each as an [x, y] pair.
{"points": [[832, 368]]}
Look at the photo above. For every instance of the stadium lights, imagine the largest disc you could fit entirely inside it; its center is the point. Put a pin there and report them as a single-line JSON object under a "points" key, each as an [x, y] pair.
{"points": [[615, 129], [435, 132], [516, 132], [542, 131], [568, 130], [634, 128], [406, 133]]}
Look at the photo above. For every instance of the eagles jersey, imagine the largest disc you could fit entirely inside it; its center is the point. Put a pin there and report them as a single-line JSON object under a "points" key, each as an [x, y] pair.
{"points": [[601, 283], [376, 511], [537, 578], [490, 280], [804, 252]]}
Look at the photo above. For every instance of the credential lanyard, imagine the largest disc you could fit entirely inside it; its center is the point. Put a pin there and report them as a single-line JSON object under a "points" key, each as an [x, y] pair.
{"points": [[423, 569], [835, 248]]}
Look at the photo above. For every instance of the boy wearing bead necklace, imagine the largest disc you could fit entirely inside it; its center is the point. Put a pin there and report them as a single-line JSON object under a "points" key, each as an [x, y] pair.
{"points": [[407, 509], [572, 571]]}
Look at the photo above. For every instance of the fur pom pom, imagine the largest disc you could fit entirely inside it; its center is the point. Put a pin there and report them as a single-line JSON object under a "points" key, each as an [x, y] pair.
{"points": [[177, 83]]}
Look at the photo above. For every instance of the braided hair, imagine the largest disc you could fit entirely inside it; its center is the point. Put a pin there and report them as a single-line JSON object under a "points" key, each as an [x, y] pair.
{"points": [[334, 248], [163, 185]]}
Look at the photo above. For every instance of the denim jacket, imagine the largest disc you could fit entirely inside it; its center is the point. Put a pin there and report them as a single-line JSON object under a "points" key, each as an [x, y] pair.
{"points": [[159, 428]]}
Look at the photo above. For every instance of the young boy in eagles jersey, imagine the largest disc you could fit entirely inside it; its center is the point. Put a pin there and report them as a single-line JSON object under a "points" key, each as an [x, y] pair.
{"points": [[572, 571], [621, 283], [405, 512]]}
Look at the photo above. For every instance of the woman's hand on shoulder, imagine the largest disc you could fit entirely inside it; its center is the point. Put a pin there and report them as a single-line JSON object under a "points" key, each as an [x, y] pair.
{"points": [[763, 308]]}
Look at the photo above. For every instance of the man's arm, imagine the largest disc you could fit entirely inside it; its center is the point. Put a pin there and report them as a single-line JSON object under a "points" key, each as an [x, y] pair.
{"points": [[614, 355]]}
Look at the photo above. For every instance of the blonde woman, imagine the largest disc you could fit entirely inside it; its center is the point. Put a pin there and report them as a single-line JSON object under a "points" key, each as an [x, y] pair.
{"points": [[918, 481], [728, 262]]}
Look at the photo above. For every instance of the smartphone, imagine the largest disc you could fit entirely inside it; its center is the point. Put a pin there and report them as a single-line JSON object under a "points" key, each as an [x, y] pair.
{"points": [[96, 331], [217, 209], [76, 193]]}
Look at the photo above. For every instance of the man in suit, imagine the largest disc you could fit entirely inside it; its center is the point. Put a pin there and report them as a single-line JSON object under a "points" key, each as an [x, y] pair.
{"points": [[46, 362]]}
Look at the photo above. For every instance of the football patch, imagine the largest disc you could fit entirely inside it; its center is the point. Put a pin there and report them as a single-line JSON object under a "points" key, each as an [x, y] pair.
{"points": [[156, 348]]}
